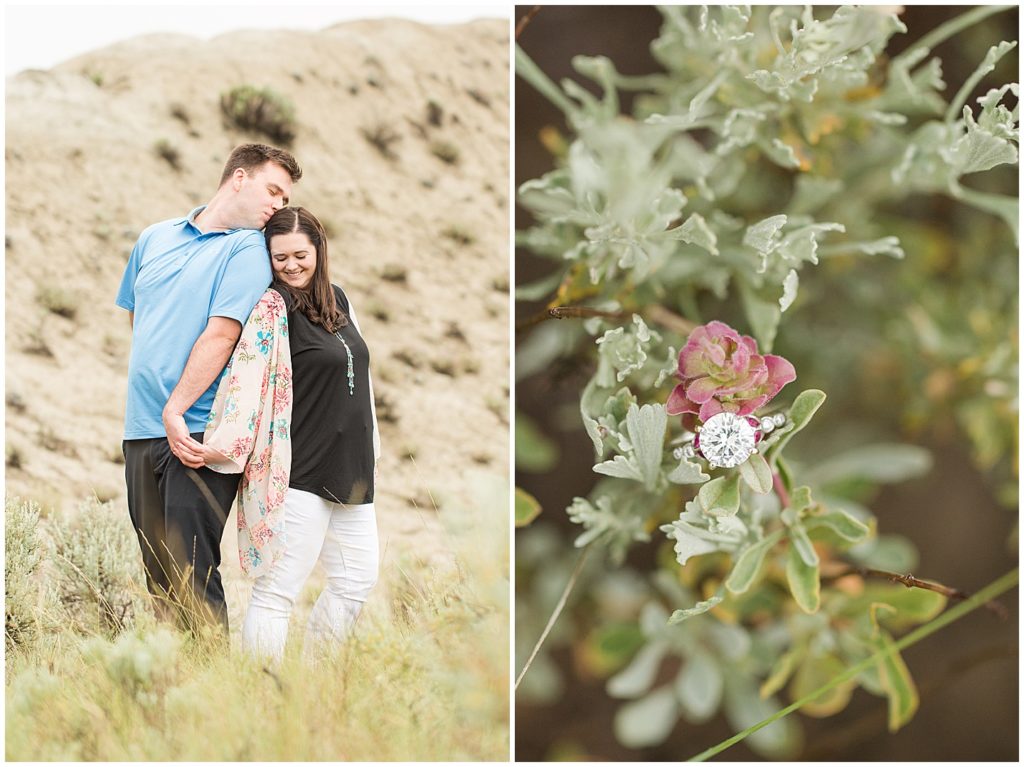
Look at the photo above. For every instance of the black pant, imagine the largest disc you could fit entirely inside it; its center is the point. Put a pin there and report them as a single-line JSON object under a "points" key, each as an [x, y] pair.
{"points": [[179, 515]]}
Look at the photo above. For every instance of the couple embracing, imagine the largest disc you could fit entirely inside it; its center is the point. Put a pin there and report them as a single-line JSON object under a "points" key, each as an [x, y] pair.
{"points": [[248, 377]]}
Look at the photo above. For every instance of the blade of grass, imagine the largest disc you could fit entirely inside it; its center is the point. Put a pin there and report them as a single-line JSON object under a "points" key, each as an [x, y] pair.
{"points": [[554, 614], [990, 592]]}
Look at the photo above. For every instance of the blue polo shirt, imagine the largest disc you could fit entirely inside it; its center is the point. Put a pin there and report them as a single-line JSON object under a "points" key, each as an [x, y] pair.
{"points": [[176, 279]]}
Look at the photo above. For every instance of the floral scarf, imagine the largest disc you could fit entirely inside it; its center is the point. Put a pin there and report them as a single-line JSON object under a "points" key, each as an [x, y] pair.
{"points": [[250, 424]]}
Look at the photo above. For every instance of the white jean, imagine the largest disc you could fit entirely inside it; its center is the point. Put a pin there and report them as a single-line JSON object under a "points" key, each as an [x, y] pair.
{"points": [[344, 539]]}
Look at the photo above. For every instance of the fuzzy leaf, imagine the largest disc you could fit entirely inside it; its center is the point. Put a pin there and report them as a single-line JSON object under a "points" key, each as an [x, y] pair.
{"points": [[695, 231], [621, 467], [720, 497], [804, 581], [646, 426], [799, 540], [814, 673], [789, 288], [882, 463], [763, 314], [636, 678], [804, 407], [781, 671], [980, 150], [756, 473], [699, 687], [764, 235], [648, 721], [749, 563], [698, 609], [688, 473], [527, 508], [842, 524], [896, 681]]}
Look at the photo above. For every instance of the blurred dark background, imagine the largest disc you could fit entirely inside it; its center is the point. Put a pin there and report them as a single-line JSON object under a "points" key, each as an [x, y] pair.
{"points": [[967, 674]]}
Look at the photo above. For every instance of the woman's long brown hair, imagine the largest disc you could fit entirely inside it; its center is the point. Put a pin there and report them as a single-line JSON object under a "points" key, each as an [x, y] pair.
{"points": [[316, 300]]}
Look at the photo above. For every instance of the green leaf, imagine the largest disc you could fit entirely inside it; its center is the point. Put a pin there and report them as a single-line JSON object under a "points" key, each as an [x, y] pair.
{"points": [[842, 523], [527, 508], [782, 670], [816, 672], [699, 687], [799, 540], [756, 474], [720, 497], [804, 407], [648, 721], [688, 473], [804, 581], [897, 683], [698, 609], [749, 563], [535, 453]]}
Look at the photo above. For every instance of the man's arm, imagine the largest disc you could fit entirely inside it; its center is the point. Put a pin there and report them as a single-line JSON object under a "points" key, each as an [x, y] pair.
{"points": [[131, 320], [207, 359]]}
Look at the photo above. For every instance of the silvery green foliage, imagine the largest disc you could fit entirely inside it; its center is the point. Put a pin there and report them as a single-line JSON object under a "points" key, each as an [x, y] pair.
{"points": [[99, 570], [142, 664], [22, 590], [679, 202]]}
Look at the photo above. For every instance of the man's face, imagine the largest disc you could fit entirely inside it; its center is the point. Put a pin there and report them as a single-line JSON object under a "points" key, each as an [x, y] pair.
{"points": [[262, 193]]}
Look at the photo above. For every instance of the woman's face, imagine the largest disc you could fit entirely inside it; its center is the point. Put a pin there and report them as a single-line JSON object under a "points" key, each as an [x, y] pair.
{"points": [[293, 259]]}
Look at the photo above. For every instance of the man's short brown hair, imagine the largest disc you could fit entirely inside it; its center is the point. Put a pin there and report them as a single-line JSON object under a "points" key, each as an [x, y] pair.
{"points": [[252, 157]]}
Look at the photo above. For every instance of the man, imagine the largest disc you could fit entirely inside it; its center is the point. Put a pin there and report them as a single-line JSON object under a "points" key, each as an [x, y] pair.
{"points": [[189, 286]]}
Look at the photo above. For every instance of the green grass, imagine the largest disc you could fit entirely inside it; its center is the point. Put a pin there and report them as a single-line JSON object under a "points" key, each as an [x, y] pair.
{"points": [[424, 677]]}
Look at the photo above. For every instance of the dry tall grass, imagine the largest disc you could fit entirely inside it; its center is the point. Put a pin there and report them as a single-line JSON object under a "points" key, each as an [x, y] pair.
{"points": [[424, 677]]}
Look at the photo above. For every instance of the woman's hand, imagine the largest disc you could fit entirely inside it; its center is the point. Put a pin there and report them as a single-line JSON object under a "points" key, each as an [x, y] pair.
{"points": [[213, 457]]}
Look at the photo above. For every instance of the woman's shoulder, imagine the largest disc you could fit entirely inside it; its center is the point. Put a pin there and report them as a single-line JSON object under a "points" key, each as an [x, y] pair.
{"points": [[289, 302], [340, 296]]}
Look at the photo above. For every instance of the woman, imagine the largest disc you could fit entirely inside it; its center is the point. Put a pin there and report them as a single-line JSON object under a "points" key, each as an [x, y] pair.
{"points": [[295, 413]]}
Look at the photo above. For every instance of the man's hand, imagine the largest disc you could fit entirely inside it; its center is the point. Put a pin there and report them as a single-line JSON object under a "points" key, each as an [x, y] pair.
{"points": [[187, 450], [207, 359]]}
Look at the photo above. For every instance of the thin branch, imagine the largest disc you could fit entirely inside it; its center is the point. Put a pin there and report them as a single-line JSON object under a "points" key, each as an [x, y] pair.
{"points": [[780, 490], [521, 25], [554, 615], [911, 582], [656, 315], [951, 28]]}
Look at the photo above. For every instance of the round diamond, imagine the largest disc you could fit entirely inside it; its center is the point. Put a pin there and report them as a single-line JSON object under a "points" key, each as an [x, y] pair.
{"points": [[727, 440]]}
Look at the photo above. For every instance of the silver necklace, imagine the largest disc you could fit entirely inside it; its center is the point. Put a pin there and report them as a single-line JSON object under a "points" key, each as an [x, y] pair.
{"points": [[351, 369]]}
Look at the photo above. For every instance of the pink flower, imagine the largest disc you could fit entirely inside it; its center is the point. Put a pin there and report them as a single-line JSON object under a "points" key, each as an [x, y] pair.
{"points": [[721, 371]]}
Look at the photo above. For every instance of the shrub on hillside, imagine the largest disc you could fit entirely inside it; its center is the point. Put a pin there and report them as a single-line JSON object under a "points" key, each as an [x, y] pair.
{"points": [[23, 558], [260, 110], [100, 577]]}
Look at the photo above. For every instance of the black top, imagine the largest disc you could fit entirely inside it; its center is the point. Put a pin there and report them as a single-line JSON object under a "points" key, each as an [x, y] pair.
{"points": [[332, 430]]}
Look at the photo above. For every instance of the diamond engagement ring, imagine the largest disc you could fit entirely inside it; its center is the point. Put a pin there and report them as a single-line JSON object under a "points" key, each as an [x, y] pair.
{"points": [[726, 440]]}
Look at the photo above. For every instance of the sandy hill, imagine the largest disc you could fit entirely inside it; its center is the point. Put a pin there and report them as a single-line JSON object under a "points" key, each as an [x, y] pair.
{"points": [[402, 133]]}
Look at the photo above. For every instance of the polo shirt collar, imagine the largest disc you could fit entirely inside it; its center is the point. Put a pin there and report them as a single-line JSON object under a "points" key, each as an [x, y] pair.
{"points": [[190, 220]]}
